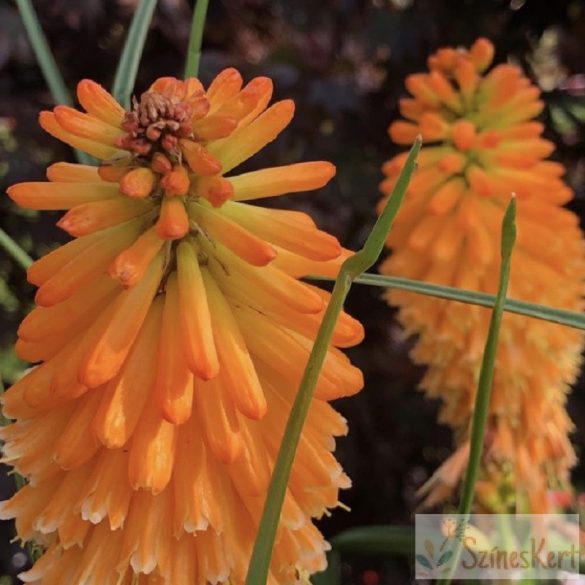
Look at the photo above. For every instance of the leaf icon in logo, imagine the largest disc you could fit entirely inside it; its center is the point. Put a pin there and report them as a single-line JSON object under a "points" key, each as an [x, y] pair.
{"points": [[430, 548], [444, 558], [424, 562]]}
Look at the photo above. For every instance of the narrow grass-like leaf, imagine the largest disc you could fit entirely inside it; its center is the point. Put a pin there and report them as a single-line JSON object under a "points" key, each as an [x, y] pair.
{"points": [[47, 62], [543, 312], [14, 250], [43, 53], [486, 377], [132, 53], [376, 539], [196, 38], [351, 268]]}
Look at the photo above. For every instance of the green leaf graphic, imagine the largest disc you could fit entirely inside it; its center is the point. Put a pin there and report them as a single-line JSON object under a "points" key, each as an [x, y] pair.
{"points": [[421, 559], [445, 557], [430, 548]]}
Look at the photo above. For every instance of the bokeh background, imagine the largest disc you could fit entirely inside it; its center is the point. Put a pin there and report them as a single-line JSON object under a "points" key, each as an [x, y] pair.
{"points": [[344, 63]]}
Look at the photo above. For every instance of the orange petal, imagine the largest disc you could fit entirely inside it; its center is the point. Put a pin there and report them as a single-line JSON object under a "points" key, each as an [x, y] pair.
{"points": [[113, 344], [161, 164], [138, 182], [176, 182], [174, 381], [403, 132], [226, 85], [173, 222], [219, 421], [264, 281], [198, 343], [131, 264], [482, 54], [247, 141], [231, 234], [98, 215], [199, 159], [217, 190], [246, 100], [52, 196], [49, 123], [283, 229], [76, 445], [72, 173], [152, 452], [238, 375], [74, 269], [44, 268], [86, 126], [99, 103], [214, 127], [42, 321], [114, 173], [299, 266], [275, 181], [125, 395], [463, 134]]}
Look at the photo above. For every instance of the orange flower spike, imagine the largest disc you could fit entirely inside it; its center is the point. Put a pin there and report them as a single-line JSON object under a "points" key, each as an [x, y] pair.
{"points": [[134, 326], [138, 183], [130, 265], [200, 350], [176, 183], [199, 159], [452, 217], [173, 222]]}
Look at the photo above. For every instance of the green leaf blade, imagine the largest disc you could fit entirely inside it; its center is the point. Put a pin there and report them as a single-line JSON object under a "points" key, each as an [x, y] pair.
{"points": [[350, 269], [127, 70]]}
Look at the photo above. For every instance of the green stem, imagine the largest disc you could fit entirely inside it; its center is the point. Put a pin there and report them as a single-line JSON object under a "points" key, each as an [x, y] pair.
{"points": [[43, 53], [543, 312], [486, 377], [15, 250], [351, 268], [127, 70], [47, 63], [195, 39]]}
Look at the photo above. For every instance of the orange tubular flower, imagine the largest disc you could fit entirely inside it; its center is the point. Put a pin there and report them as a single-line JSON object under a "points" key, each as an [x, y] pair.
{"points": [[171, 336], [482, 146]]}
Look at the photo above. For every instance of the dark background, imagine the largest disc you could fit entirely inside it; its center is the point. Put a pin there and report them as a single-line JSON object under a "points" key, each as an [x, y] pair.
{"points": [[344, 63]]}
